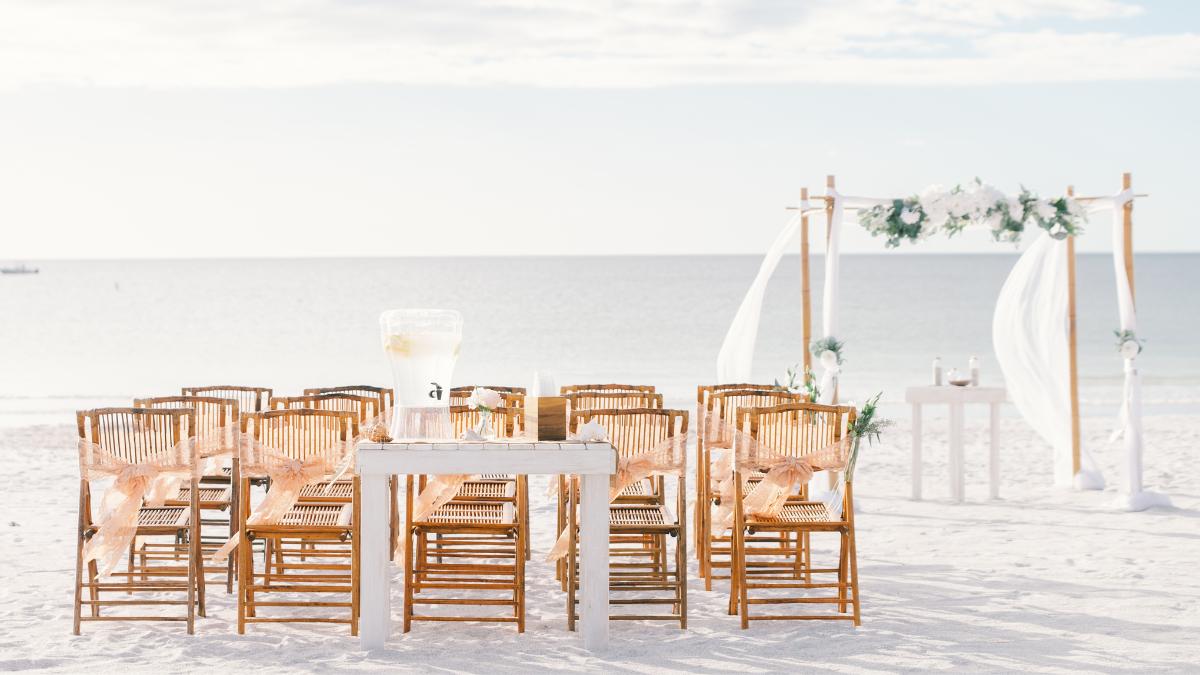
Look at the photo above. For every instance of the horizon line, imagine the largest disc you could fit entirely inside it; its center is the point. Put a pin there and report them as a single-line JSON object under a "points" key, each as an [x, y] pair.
{"points": [[568, 255]]}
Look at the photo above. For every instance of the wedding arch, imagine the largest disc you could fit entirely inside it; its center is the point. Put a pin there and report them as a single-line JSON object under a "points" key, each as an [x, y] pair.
{"points": [[1033, 328]]}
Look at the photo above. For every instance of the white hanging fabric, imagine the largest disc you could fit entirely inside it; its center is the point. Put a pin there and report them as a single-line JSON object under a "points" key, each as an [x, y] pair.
{"points": [[1029, 334], [1129, 424], [736, 357], [829, 293]]}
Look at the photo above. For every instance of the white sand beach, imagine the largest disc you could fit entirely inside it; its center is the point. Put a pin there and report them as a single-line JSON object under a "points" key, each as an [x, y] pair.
{"points": [[1042, 580]]}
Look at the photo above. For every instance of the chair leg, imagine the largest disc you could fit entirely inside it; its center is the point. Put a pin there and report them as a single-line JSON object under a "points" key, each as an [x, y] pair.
{"points": [[571, 570], [843, 571], [93, 592], [410, 576], [78, 617], [854, 576]]}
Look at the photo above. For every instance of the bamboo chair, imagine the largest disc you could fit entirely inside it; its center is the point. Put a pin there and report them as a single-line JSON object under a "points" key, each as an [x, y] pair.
{"points": [[217, 496], [724, 403], [327, 533], [387, 398], [702, 509], [365, 408], [638, 531], [490, 486], [475, 545], [603, 396], [795, 429], [138, 436]]}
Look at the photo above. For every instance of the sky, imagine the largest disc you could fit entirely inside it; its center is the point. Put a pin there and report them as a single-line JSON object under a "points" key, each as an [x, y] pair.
{"points": [[134, 129]]}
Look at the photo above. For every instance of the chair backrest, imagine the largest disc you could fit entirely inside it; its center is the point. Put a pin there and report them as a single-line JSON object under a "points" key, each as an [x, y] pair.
{"points": [[364, 407], [250, 399], [386, 396], [135, 436], [212, 416], [302, 434], [642, 388], [704, 392], [797, 429], [464, 418], [633, 431], [594, 400], [725, 404], [466, 389]]}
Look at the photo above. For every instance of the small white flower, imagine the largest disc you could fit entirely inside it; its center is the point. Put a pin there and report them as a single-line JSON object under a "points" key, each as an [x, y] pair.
{"points": [[909, 217], [995, 221], [1129, 349], [1045, 210], [829, 360], [591, 432], [484, 398]]}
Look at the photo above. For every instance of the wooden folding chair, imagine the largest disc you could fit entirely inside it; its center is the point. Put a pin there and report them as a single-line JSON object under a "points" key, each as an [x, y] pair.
{"points": [[472, 549], [723, 405], [314, 548], [638, 528], [118, 441], [217, 432], [794, 430], [605, 397]]}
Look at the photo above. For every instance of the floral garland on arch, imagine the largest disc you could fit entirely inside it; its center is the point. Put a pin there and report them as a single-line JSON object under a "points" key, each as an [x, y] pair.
{"points": [[951, 210]]}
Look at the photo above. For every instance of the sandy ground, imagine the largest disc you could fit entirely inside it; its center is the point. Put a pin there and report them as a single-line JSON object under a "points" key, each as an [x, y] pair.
{"points": [[1041, 580]]}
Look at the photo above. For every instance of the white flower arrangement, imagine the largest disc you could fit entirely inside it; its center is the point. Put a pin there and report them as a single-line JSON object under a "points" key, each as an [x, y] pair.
{"points": [[951, 210], [484, 400]]}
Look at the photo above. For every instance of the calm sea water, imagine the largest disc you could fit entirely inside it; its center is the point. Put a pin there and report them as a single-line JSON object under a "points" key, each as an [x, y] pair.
{"points": [[81, 334]]}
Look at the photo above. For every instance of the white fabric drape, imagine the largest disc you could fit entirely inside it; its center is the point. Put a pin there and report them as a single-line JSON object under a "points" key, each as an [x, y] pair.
{"points": [[1029, 334], [736, 357], [829, 291], [1129, 424]]}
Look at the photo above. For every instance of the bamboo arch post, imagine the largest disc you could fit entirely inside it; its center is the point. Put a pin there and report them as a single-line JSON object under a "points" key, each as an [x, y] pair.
{"points": [[830, 184], [1127, 184], [805, 284], [1072, 350]]}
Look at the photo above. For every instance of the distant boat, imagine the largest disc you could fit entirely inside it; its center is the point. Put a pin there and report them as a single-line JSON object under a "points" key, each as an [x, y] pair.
{"points": [[19, 269]]}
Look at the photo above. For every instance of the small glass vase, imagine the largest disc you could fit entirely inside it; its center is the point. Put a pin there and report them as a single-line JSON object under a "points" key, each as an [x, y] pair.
{"points": [[483, 429]]}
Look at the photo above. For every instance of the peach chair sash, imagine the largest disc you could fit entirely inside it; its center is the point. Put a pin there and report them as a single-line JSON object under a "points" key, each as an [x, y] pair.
{"points": [[288, 477], [785, 473], [666, 458], [152, 482]]}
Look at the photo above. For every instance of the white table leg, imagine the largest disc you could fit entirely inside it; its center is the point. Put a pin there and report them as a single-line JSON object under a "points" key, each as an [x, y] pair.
{"points": [[956, 452], [375, 604], [994, 452], [916, 451], [593, 557]]}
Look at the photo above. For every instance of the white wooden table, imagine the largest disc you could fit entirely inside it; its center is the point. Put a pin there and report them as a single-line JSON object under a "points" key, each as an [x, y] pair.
{"points": [[956, 398], [377, 462]]}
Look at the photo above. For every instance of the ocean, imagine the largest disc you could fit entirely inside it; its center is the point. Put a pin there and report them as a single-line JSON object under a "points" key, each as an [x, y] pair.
{"points": [[89, 333]]}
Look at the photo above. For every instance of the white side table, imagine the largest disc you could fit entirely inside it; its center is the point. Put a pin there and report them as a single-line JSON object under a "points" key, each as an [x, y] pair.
{"points": [[376, 462], [956, 398]]}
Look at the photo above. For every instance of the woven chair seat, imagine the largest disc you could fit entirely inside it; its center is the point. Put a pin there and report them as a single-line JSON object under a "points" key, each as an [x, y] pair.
{"points": [[319, 515], [208, 495], [339, 490], [474, 513], [800, 512], [486, 489], [639, 515], [164, 516]]}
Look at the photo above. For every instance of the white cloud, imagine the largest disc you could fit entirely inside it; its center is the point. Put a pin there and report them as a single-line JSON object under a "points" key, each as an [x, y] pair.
{"points": [[580, 42]]}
